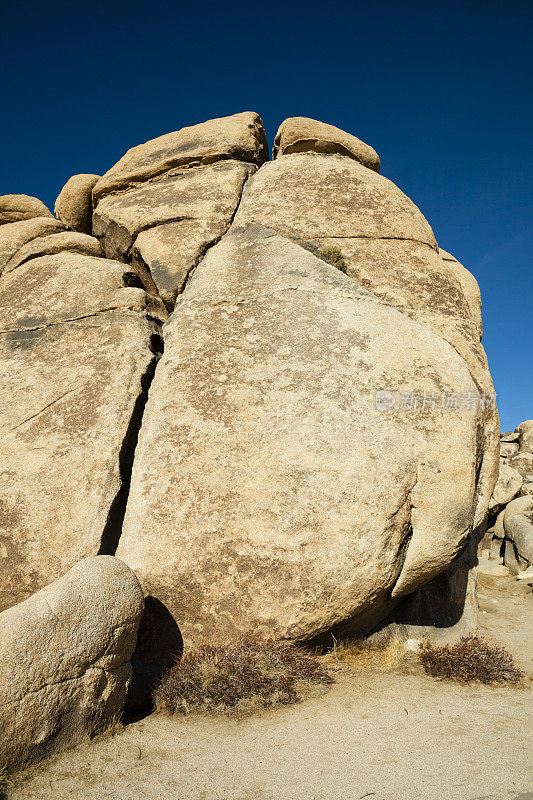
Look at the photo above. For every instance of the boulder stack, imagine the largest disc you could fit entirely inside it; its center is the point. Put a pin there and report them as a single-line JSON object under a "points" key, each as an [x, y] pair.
{"points": [[307, 444]]}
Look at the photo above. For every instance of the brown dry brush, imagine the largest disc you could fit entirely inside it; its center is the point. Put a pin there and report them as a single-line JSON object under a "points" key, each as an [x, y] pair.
{"points": [[241, 675], [471, 659]]}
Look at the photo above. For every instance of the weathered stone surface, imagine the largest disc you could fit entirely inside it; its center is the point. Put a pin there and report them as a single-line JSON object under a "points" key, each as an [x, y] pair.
{"points": [[240, 137], [307, 197], [17, 234], [443, 610], [17, 207], [264, 405], [469, 286], [519, 529], [76, 346], [507, 486], [74, 204], [301, 135], [64, 659], [170, 223], [508, 449], [522, 462], [367, 218], [525, 432], [509, 436], [52, 244]]}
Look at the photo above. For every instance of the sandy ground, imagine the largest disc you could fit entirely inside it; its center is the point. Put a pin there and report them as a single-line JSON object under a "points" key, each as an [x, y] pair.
{"points": [[378, 736]]}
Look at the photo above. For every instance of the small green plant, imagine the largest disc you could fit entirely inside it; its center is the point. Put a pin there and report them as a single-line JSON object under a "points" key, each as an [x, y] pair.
{"points": [[471, 659], [333, 255], [239, 676]]}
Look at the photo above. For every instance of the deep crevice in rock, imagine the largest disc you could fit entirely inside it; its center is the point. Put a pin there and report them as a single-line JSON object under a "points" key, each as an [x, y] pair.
{"points": [[113, 527]]}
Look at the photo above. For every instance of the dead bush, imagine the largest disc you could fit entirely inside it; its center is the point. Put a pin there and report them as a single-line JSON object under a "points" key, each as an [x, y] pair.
{"points": [[242, 675], [362, 654], [471, 659]]}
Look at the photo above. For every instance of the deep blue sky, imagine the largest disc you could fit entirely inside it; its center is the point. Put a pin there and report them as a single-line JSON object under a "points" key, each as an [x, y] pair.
{"points": [[442, 90]]}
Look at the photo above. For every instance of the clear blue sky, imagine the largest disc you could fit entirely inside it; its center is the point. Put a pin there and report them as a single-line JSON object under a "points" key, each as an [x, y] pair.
{"points": [[442, 90]]}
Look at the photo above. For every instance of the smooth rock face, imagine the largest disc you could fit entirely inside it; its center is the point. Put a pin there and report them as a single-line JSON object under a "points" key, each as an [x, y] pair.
{"points": [[240, 137], [469, 287], [52, 244], [170, 222], [525, 432], [76, 343], [65, 659], [74, 204], [293, 195], [17, 234], [264, 405], [17, 207], [389, 248], [301, 135], [518, 524], [508, 485]]}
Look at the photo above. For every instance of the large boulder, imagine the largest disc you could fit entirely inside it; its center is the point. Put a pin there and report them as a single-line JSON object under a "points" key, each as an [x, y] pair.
{"points": [[52, 244], [269, 493], [17, 207], [168, 224], [74, 204], [508, 485], [240, 137], [65, 659], [78, 344], [388, 247], [167, 201], [302, 135], [518, 525], [16, 235], [525, 433]]}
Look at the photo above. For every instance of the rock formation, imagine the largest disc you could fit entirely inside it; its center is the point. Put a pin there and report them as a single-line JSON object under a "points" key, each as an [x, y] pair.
{"points": [[65, 659], [509, 536], [319, 442]]}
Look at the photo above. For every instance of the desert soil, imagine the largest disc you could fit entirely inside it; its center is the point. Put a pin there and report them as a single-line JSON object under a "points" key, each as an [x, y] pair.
{"points": [[397, 735]]}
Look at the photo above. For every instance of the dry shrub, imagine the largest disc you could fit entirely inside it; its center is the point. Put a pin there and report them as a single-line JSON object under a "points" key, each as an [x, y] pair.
{"points": [[242, 675], [334, 256], [363, 654], [471, 659]]}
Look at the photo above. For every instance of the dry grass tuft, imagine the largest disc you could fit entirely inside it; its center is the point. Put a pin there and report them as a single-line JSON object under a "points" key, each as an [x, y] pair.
{"points": [[334, 256], [361, 654], [471, 659], [239, 676]]}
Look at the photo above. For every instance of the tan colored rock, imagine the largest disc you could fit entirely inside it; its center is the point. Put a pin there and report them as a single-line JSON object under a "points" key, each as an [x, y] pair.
{"points": [[308, 197], [17, 234], [168, 224], [508, 485], [390, 249], [519, 529], [302, 135], [509, 436], [525, 432], [240, 137], [487, 567], [65, 659], [522, 462], [508, 449], [52, 244], [17, 207], [76, 350], [469, 286], [74, 204], [516, 506], [299, 505]]}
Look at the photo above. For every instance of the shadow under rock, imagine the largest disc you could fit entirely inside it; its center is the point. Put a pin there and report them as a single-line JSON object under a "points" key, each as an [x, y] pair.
{"points": [[159, 645]]}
